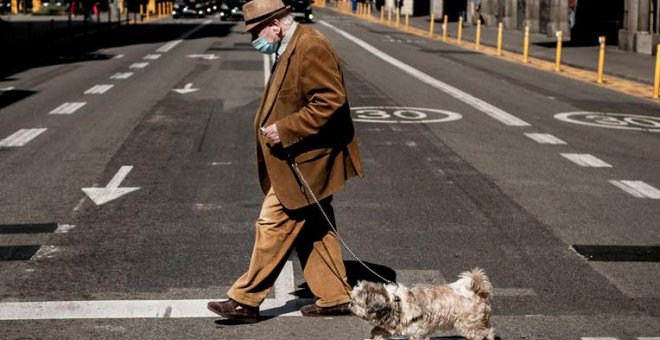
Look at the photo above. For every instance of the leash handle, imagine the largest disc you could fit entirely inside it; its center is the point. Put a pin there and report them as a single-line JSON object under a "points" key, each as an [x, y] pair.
{"points": [[294, 165]]}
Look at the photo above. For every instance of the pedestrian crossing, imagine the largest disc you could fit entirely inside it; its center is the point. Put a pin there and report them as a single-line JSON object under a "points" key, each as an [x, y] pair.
{"points": [[21, 137], [67, 108]]}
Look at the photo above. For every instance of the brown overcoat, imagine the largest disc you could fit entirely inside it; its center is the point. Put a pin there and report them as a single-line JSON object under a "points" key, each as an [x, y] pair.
{"points": [[306, 99]]}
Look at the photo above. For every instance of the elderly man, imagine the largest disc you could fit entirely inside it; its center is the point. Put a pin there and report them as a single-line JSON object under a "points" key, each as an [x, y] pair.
{"points": [[303, 119]]}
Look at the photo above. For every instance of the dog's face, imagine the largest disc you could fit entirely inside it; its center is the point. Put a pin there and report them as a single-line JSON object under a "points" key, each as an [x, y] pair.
{"points": [[383, 305]]}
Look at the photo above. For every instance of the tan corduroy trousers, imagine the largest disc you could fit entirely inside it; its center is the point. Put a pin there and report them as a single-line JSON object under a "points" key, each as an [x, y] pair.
{"points": [[278, 232]]}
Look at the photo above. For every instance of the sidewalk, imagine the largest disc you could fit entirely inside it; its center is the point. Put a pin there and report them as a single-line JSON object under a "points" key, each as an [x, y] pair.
{"points": [[629, 73], [22, 29], [624, 64]]}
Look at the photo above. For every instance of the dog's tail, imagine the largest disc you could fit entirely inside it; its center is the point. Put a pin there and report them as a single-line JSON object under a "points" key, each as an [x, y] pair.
{"points": [[476, 281]]}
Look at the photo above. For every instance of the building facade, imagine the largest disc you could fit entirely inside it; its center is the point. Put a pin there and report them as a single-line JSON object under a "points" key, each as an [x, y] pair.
{"points": [[633, 25]]}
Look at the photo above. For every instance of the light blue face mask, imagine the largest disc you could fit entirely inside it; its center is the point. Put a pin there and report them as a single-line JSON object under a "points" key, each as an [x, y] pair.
{"points": [[262, 45]]}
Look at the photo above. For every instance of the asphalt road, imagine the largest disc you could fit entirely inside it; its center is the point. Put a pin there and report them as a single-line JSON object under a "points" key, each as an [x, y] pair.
{"points": [[467, 165]]}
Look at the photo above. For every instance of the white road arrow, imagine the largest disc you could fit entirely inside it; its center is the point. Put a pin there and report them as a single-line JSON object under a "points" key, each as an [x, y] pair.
{"points": [[186, 89], [204, 56], [112, 191]]}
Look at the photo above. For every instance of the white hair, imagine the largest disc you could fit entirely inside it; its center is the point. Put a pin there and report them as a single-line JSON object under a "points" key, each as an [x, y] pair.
{"points": [[287, 20]]}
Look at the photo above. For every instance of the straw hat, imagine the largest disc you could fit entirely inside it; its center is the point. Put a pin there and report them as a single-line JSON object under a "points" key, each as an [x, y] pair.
{"points": [[258, 12]]}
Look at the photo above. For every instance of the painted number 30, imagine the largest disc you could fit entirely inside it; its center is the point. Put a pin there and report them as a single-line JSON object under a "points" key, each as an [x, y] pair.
{"points": [[381, 114], [374, 114]]}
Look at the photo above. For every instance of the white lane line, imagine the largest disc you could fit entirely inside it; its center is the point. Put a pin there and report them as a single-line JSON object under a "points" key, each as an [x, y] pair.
{"points": [[492, 111], [67, 108], [638, 189], [170, 45], [545, 138], [139, 65], [121, 75], [99, 89], [151, 56], [411, 144], [21, 137], [586, 160], [118, 56], [625, 338]]}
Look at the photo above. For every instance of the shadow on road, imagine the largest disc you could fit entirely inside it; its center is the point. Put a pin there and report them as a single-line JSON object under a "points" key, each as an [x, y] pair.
{"points": [[82, 44]]}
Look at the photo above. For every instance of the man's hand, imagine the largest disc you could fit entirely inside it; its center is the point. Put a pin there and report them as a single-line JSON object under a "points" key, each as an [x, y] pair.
{"points": [[271, 134]]}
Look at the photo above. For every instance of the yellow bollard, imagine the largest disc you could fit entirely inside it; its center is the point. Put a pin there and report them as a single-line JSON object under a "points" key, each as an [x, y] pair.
{"points": [[526, 45], [407, 22], [444, 28], [656, 83], [500, 28], [558, 57], [398, 17], [460, 29], [431, 25], [389, 16], [601, 59], [36, 6], [141, 10], [382, 13], [477, 43]]}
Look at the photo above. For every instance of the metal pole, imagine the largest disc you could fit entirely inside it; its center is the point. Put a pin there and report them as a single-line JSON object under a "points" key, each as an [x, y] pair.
{"points": [[460, 29], [526, 45], [431, 25], [558, 56], [477, 43], [500, 27], [601, 60], [656, 86]]}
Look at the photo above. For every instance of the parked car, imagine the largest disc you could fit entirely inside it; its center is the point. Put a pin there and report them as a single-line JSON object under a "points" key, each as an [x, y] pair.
{"points": [[232, 10], [301, 9]]}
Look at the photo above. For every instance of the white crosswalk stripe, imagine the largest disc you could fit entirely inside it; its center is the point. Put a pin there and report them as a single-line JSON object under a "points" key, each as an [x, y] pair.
{"points": [[121, 75], [586, 160], [21, 137], [638, 189], [151, 56], [138, 65], [67, 108], [99, 89], [545, 138]]}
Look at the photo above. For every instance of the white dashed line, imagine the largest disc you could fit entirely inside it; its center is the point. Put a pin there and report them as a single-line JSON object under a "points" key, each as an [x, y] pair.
{"points": [[586, 160], [170, 45], [545, 138], [139, 65], [626, 338], [118, 56], [21, 137], [121, 75], [151, 56], [638, 189], [411, 144], [67, 108], [99, 89], [489, 109]]}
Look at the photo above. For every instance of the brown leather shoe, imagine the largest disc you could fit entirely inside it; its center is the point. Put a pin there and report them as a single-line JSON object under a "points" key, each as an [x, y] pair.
{"points": [[233, 310], [314, 310]]}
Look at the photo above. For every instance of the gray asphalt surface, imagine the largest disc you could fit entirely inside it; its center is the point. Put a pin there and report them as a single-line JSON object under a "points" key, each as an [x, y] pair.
{"points": [[438, 198]]}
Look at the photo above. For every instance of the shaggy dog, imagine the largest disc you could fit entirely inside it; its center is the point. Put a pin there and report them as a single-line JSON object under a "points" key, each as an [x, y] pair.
{"points": [[417, 312]]}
